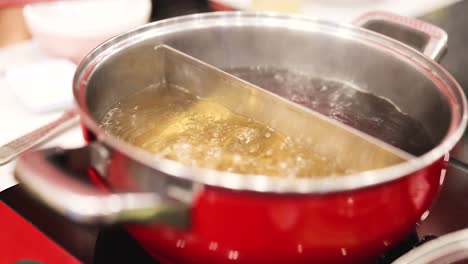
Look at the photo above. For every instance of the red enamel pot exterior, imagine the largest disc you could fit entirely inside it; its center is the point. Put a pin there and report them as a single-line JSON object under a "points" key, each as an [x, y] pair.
{"points": [[247, 227], [352, 227]]}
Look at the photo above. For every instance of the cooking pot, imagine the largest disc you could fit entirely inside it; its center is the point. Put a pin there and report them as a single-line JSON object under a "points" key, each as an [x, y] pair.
{"points": [[195, 215]]}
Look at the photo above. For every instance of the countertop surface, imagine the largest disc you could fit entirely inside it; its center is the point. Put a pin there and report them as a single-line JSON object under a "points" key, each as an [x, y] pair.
{"points": [[17, 120]]}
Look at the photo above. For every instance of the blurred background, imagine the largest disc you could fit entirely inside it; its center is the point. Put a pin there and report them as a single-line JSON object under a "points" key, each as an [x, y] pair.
{"points": [[13, 27]]}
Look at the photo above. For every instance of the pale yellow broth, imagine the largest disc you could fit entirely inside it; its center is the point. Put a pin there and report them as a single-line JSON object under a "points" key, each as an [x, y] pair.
{"points": [[202, 133]]}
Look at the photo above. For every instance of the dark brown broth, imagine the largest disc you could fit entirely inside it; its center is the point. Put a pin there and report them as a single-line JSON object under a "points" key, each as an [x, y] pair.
{"points": [[364, 111]]}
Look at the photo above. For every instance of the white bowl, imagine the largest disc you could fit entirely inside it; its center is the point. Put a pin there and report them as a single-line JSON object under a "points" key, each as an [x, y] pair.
{"points": [[72, 28]]}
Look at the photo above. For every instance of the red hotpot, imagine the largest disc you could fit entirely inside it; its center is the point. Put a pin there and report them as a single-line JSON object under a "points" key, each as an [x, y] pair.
{"points": [[183, 214]]}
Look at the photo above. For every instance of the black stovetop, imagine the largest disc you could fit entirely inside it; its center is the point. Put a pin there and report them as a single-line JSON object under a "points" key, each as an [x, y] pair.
{"points": [[113, 245]]}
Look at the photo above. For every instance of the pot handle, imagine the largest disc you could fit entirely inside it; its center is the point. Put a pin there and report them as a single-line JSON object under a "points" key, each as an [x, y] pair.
{"points": [[50, 175], [424, 37]]}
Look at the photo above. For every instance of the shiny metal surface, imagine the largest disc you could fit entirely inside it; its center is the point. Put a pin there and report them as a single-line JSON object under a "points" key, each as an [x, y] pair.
{"points": [[34, 138], [87, 203], [424, 37], [365, 59], [351, 148], [453, 20], [451, 248]]}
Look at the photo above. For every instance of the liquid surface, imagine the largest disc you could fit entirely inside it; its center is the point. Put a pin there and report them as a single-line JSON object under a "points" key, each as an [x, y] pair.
{"points": [[366, 112], [202, 133]]}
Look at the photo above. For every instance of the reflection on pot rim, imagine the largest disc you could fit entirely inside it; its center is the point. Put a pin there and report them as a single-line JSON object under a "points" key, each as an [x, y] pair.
{"points": [[432, 71]]}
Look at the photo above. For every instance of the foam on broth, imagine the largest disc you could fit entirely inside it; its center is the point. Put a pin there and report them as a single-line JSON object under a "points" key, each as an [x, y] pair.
{"points": [[202, 133]]}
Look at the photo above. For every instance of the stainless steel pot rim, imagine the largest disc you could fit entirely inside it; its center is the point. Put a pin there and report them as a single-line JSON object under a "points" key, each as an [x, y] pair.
{"points": [[445, 249], [261, 183]]}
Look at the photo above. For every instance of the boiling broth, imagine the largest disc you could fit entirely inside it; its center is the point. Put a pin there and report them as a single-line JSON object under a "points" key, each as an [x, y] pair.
{"points": [[202, 133], [366, 112]]}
